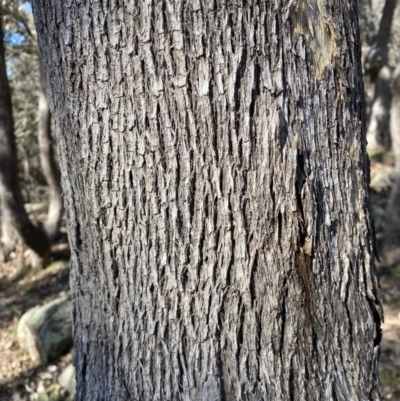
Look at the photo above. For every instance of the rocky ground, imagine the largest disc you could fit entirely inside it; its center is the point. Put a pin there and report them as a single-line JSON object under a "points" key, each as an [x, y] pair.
{"points": [[22, 288], [390, 345], [389, 275]]}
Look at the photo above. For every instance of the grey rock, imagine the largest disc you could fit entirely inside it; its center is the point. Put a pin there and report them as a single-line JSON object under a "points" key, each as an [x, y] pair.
{"points": [[381, 181], [45, 332], [52, 368], [67, 379], [43, 397]]}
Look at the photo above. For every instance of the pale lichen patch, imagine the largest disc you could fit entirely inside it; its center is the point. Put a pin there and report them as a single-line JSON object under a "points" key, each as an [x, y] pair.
{"points": [[309, 19]]}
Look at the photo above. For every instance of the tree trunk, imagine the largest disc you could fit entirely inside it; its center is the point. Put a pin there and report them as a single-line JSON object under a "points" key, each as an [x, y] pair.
{"points": [[48, 163], [7, 234], [392, 225], [378, 54], [378, 134], [367, 21], [215, 180], [12, 202]]}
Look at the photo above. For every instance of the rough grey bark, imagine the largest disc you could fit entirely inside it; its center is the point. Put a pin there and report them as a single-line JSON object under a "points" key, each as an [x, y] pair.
{"points": [[378, 133], [49, 164], [215, 181], [392, 224], [12, 202]]}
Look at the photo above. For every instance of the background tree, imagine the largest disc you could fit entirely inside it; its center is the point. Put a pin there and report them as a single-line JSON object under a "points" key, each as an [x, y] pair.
{"points": [[215, 181], [11, 197], [23, 25], [24, 75], [392, 226], [23, 66], [376, 66], [49, 164]]}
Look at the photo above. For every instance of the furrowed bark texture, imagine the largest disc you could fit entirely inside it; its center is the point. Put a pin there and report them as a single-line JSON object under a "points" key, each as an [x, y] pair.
{"points": [[11, 198], [214, 171]]}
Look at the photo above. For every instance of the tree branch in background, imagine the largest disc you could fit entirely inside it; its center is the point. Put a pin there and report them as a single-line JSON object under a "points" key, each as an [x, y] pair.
{"points": [[375, 66], [48, 163], [12, 202], [392, 226], [378, 135], [366, 21]]}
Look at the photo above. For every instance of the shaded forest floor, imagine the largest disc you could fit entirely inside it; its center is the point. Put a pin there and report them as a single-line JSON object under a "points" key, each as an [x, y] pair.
{"points": [[22, 288], [389, 277]]}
